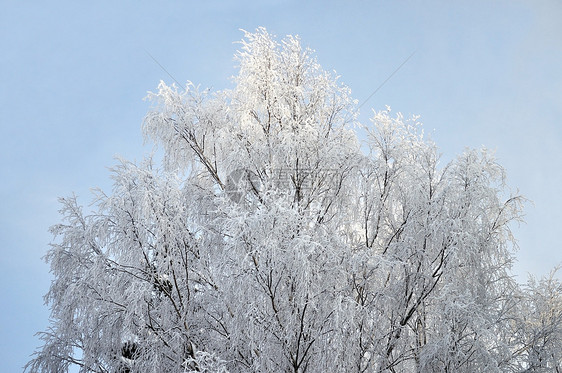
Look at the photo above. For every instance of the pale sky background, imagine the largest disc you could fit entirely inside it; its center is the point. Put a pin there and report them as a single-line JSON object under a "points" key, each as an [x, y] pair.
{"points": [[73, 76]]}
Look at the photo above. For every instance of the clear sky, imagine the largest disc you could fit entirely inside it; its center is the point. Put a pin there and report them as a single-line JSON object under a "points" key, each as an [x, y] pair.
{"points": [[74, 74]]}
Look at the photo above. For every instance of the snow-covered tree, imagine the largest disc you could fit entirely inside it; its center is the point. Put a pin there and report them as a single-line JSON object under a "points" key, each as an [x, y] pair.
{"points": [[275, 239], [539, 347]]}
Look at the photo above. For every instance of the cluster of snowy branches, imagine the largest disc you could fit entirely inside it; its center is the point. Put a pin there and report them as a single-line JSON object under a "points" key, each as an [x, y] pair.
{"points": [[369, 257]]}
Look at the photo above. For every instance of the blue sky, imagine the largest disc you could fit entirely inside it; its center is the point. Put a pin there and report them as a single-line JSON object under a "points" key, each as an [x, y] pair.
{"points": [[74, 75]]}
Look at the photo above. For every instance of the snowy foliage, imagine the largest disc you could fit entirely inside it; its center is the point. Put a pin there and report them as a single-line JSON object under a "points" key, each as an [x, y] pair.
{"points": [[321, 257]]}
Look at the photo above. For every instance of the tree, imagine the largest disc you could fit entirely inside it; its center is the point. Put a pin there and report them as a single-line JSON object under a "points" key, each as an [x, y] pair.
{"points": [[270, 242], [540, 346]]}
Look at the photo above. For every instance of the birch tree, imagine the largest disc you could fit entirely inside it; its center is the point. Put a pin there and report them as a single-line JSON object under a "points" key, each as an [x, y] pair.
{"points": [[274, 238]]}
